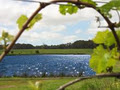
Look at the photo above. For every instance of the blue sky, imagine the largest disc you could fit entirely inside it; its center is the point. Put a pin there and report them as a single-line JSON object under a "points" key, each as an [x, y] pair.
{"points": [[54, 28]]}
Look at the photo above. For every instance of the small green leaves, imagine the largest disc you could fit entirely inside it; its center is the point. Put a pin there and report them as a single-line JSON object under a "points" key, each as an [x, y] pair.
{"points": [[102, 59], [113, 4], [35, 19], [64, 9], [104, 37], [5, 39], [6, 36], [23, 19]]}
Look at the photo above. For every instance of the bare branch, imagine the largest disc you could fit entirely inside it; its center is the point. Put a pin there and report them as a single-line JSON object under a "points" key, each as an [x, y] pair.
{"points": [[42, 5], [90, 77], [39, 1]]}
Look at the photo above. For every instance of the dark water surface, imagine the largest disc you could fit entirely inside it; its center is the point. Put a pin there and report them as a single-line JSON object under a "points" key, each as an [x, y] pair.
{"points": [[37, 65]]}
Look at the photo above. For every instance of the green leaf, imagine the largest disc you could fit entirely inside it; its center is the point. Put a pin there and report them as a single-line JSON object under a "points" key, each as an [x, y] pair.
{"points": [[5, 39], [21, 21], [71, 9], [118, 33], [113, 4], [23, 18], [4, 34], [10, 37], [104, 37], [37, 18], [101, 59], [0, 38]]}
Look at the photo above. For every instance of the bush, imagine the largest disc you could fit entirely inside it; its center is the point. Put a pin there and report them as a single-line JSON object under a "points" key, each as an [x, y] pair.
{"points": [[37, 51]]}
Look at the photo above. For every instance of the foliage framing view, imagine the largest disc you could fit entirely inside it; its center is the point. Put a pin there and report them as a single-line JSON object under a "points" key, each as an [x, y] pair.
{"points": [[5, 39], [107, 53]]}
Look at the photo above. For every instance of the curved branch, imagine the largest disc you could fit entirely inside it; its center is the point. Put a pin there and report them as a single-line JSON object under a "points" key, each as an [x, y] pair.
{"points": [[110, 24], [42, 5], [90, 77]]}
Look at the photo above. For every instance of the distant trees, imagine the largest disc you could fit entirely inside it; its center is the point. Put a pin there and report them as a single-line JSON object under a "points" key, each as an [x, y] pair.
{"points": [[83, 44], [80, 44], [23, 46]]}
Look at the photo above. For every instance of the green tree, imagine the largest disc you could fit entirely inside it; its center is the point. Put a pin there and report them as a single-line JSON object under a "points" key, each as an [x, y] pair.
{"points": [[5, 39]]}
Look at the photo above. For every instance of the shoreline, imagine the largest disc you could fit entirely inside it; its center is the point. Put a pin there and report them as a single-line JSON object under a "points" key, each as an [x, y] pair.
{"points": [[49, 52], [46, 54]]}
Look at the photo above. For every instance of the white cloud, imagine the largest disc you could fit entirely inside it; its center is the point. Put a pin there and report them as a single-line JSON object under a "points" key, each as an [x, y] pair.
{"points": [[71, 38], [58, 28], [78, 31], [52, 25], [46, 37], [93, 29]]}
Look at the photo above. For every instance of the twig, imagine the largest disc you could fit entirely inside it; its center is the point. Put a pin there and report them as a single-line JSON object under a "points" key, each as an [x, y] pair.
{"points": [[39, 1], [90, 77]]}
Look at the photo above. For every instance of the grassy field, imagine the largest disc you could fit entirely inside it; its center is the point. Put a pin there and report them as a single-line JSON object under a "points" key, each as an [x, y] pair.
{"points": [[49, 51], [54, 83]]}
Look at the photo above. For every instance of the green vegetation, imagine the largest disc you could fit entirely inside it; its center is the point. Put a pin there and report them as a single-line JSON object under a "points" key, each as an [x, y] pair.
{"points": [[104, 58], [97, 84], [54, 83], [49, 51], [5, 39], [23, 18]]}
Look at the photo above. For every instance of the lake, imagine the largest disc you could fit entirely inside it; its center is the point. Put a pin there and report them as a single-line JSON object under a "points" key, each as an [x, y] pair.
{"points": [[46, 65]]}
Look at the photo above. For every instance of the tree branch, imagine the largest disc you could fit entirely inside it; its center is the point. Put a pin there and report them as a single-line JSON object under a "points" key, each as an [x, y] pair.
{"points": [[76, 2], [90, 77], [110, 24], [42, 5]]}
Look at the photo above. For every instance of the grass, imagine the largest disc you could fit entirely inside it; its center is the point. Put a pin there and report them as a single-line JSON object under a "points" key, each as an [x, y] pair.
{"points": [[49, 51], [54, 83], [23, 83], [97, 84]]}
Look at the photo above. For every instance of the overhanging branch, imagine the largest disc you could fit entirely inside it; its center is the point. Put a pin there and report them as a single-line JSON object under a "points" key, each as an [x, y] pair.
{"points": [[90, 77], [44, 4]]}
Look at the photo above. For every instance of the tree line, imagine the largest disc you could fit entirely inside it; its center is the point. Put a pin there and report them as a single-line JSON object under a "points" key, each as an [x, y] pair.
{"points": [[80, 44]]}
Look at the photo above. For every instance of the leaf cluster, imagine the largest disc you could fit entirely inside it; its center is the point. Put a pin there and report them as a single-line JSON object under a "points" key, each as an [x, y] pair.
{"points": [[6, 38], [112, 5], [104, 56], [69, 8], [23, 19]]}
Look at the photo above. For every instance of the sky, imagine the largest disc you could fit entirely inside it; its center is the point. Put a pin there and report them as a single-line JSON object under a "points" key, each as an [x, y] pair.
{"points": [[54, 28]]}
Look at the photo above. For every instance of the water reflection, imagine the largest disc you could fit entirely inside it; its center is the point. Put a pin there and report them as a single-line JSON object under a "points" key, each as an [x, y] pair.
{"points": [[46, 65]]}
